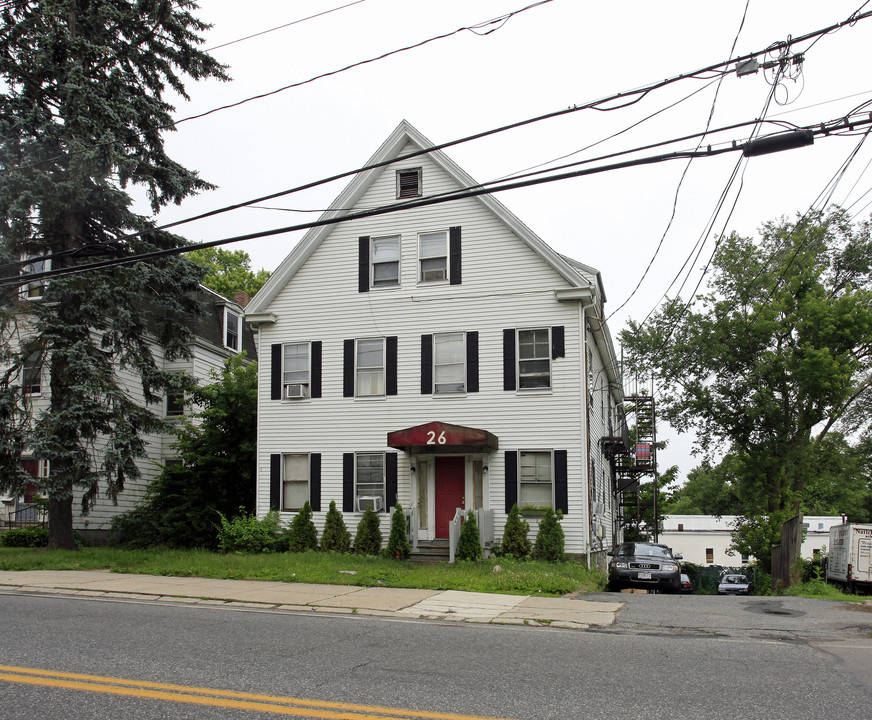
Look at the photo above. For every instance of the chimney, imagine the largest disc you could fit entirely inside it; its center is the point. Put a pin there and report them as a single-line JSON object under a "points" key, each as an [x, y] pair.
{"points": [[241, 298]]}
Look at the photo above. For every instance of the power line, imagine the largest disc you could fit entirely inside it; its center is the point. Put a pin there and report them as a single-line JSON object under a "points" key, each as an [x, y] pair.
{"points": [[745, 148]]}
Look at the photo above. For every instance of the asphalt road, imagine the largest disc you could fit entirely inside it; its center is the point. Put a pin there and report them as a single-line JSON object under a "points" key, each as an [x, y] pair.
{"points": [[668, 656]]}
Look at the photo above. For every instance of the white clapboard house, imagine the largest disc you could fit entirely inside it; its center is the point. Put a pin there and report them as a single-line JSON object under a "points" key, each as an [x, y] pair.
{"points": [[440, 357]]}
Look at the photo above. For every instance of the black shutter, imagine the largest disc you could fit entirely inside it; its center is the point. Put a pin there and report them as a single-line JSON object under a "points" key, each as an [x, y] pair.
{"points": [[561, 482], [391, 365], [509, 379], [363, 264], [390, 480], [275, 482], [315, 481], [472, 362], [454, 259], [511, 479], [426, 364], [347, 482], [558, 346], [315, 381], [348, 369], [275, 372]]}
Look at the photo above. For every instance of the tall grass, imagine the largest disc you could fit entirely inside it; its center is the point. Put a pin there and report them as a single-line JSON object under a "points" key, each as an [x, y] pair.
{"points": [[502, 575]]}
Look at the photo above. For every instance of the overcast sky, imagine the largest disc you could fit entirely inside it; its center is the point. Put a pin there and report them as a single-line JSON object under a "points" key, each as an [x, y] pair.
{"points": [[559, 54]]}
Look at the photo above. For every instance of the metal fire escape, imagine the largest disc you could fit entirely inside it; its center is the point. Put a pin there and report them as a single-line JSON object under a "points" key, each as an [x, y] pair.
{"points": [[632, 461]]}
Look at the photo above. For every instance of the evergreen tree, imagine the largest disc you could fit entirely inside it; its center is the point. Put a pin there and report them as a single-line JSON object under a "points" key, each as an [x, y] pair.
{"points": [[302, 534], [213, 476], [368, 539], [335, 536], [470, 541], [550, 541], [398, 542], [81, 114], [515, 541]]}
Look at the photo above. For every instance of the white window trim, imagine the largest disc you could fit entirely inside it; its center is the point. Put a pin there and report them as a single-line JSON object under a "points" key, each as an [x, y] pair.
{"points": [[24, 292], [550, 453], [373, 285], [383, 366], [384, 483], [450, 393], [421, 258], [308, 465], [25, 385], [179, 414], [420, 184], [518, 362], [307, 389], [227, 313]]}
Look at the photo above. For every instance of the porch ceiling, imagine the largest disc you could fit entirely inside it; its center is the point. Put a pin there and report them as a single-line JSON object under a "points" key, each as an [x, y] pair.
{"points": [[440, 437]]}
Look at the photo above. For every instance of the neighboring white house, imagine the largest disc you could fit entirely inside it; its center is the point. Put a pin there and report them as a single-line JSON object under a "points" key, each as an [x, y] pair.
{"points": [[706, 539], [442, 356], [218, 333]]}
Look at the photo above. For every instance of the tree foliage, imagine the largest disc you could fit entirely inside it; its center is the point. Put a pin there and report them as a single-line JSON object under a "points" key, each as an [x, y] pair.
{"points": [[335, 537], [368, 539], [214, 474], [515, 540], [302, 534], [469, 546], [550, 541], [398, 542], [774, 358], [81, 112], [228, 271]]}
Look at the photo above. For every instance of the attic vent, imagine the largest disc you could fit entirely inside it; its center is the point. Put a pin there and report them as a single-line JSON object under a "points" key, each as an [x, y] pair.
{"points": [[409, 183]]}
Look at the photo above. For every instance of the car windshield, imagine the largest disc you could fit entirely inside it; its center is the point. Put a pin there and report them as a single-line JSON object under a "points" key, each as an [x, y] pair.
{"points": [[735, 579], [645, 549]]}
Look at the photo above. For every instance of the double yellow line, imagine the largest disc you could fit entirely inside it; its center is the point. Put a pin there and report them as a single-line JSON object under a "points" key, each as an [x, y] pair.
{"points": [[299, 707]]}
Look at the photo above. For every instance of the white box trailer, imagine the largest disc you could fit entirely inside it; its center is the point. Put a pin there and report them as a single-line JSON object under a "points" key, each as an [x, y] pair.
{"points": [[849, 557]]}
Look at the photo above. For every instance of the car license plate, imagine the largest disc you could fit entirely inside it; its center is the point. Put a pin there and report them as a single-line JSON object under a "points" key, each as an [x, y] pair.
{"points": [[644, 576]]}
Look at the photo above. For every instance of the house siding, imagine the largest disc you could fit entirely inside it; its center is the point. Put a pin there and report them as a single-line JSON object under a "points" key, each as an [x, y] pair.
{"points": [[505, 284]]}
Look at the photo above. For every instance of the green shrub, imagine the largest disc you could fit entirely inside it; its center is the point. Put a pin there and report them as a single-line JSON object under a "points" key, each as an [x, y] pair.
{"points": [[246, 534], [515, 542], [336, 536], [302, 534], [398, 542], [368, 539], [29, 537], [550, 542], [470, 540]]}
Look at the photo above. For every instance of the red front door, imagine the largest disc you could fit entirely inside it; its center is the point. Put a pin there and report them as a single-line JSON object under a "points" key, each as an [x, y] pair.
{"points": [[450, 487]]}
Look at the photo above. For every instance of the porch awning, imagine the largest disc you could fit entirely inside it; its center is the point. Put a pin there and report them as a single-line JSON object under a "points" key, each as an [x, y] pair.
{"points": [[440, 437]]}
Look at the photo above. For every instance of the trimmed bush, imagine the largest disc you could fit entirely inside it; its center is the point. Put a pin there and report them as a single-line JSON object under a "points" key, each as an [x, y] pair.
{"points": [[29, 537], [550, 541], [515, 541], [398, 542], [301, 533], [335, 536], [470, 539], [246, 534], [368, 539]]}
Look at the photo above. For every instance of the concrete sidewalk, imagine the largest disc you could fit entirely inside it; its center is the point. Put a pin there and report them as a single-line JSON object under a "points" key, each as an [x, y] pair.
{"points": [[563, 612]]}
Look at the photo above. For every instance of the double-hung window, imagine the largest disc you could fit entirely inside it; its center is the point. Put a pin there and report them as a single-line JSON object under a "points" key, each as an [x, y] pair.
{"points": [[449, 363], [175, 403], [536, 480], [385, 261], [534, 358], [295, 481], [370, 367], [296, 370], [232, 329], [433, 256], [369, 485], [36, 289], [31, 375]]}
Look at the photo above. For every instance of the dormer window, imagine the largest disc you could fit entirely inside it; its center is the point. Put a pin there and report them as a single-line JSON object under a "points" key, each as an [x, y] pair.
{"points": [[409, 183], [232, 329], [36, 289]]}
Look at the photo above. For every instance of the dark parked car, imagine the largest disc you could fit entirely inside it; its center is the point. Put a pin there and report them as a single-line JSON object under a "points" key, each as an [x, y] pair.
{"points": [[686, 584], [734, 585], [644, 565]]}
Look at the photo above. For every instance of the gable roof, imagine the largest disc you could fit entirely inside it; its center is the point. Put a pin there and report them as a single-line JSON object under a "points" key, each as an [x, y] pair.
{"points": [[576, 274]]}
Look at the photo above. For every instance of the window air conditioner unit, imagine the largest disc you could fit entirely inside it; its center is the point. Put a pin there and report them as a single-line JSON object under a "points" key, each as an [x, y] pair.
{"points": [[434, 275], [599, 508], [369, 501], [295, 391]]}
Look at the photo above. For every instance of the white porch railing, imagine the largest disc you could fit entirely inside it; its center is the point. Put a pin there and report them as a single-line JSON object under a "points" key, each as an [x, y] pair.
{"points": [[454, 535]]}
